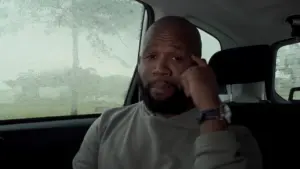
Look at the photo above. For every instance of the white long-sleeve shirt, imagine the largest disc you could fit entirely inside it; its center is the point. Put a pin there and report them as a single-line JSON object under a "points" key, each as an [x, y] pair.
{"points": [[131, 137]]}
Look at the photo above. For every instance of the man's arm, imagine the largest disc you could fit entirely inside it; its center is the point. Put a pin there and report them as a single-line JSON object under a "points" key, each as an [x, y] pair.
{"points": [[234, 148], [217, 147], [87, 156]]}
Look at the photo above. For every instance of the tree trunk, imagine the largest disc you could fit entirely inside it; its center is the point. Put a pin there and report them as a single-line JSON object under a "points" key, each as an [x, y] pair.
{"points": [[75, 64]]}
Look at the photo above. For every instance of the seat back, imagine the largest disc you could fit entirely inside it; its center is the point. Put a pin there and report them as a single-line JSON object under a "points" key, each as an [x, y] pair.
{"points": [[246, 65]]}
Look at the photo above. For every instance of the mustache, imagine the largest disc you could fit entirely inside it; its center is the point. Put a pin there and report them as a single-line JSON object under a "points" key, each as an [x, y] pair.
{"points": [[167, 80]]}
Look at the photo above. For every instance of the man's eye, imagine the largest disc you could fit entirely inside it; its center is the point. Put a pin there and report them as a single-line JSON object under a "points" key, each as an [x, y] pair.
{"points": [[151, 56], [177, 58]]}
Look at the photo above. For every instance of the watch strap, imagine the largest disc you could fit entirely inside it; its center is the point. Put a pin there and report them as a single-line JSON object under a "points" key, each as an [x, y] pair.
{"points": [[221, 113]]}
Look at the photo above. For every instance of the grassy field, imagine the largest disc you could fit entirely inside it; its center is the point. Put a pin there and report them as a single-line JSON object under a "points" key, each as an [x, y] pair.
{"points": [[50, 109]]}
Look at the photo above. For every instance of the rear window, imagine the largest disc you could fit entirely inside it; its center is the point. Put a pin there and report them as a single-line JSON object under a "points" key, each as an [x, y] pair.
{"points": [[210, 45], [287, 75]]}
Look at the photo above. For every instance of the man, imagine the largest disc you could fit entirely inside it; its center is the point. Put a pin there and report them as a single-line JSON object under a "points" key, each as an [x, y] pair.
{"points": [[162, 131]]}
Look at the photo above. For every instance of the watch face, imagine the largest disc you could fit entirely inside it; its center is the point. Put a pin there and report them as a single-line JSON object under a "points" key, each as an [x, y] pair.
{"points": [[223, 112]]}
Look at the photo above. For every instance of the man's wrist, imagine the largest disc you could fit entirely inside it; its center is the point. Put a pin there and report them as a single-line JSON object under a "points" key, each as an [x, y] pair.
{"points": [[214, 117]]}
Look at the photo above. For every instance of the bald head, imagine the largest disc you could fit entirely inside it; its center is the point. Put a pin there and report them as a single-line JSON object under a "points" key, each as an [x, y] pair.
{"points": [[165, 54], [178, 28]]}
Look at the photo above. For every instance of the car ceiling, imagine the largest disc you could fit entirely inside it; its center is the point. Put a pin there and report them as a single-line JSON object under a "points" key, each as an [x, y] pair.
{"points": [[244, 22]]}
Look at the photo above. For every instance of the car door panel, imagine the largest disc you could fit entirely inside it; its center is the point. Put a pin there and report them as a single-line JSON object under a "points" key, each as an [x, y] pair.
{"points": [[51, 144]]}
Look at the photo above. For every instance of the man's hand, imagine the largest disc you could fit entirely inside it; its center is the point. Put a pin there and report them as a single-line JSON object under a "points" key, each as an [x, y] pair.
{"points": [[199, 83]]}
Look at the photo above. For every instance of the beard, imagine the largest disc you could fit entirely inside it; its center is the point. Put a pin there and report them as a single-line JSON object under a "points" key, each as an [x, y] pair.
{"points": [[176, 104]]}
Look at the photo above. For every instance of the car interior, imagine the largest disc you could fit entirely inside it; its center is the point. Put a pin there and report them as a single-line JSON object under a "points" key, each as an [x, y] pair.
{"points": [[253, 35]]}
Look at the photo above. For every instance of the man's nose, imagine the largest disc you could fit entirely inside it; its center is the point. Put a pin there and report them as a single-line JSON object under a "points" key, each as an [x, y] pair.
{"points": [[161, 68]]}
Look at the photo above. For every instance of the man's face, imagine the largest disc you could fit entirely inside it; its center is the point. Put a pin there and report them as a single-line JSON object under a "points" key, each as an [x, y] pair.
{"points": [[166, 54]]}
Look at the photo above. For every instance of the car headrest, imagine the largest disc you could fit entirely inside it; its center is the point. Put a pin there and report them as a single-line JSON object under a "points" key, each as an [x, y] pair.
{"points": [[242, 65]]}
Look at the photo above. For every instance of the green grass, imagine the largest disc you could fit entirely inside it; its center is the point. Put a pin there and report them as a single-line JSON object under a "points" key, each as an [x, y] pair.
{"points": [[33, 109]]}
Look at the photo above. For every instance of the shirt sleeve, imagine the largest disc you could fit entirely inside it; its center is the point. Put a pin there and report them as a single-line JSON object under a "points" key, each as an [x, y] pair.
{"points": [[86, 157], [235, 148]]}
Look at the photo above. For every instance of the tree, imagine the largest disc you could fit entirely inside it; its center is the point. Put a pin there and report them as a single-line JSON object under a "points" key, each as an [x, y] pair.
{"points": [[79, 16], [30, 82], [10, 25], [93, 16]]}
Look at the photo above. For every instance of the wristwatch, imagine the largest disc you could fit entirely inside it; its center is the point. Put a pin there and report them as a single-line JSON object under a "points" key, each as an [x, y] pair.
{"points": [[221, 113]]}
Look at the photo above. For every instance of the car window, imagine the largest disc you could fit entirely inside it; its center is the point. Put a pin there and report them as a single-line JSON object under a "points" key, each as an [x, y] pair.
{"points": [[287, 70], [210, 45], [66, 57]]}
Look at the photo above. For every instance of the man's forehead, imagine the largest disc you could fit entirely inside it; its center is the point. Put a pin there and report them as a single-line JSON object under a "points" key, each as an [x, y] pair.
{"points": [[152, 45], [170, 38], [168, 29]]}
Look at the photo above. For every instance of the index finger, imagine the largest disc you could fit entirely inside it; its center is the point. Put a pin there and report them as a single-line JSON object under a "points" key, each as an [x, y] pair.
{"points": [[199, 61]]}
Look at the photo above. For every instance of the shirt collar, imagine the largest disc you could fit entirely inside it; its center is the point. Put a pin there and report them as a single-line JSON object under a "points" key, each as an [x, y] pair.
{"points": [[185, 120]]}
